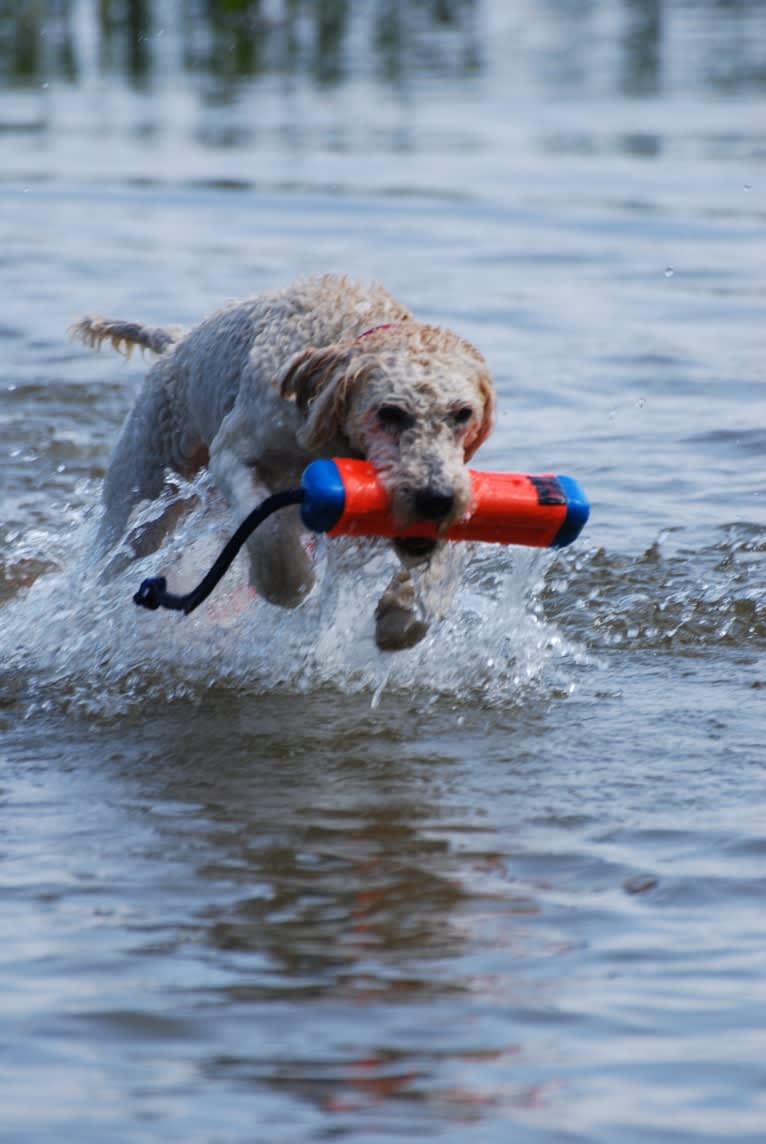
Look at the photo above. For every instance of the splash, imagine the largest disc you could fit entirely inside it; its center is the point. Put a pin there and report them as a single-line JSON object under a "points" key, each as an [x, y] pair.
{"points": [[523, 621], [70, 640]]}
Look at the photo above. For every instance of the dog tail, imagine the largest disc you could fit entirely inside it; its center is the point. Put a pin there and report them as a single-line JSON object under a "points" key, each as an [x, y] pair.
{"points": [[124, 336]]}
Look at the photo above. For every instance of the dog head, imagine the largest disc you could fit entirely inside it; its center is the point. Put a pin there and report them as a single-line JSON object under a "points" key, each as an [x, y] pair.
{"points": [[416, 401]]}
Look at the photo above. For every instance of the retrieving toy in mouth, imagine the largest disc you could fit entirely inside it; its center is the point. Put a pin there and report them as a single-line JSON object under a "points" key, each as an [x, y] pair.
{"points": [[342, 496]]}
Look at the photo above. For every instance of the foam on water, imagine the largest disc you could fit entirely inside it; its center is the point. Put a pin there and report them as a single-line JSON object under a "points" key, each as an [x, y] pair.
{"points": [[71, 641]]}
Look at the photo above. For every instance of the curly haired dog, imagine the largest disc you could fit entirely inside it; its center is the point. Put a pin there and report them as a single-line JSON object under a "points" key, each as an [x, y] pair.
{"points": [[325, 367]]}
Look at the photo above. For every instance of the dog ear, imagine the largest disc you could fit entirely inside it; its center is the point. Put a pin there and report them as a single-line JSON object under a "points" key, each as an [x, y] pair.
{"points": [[487, 393], [321, 382]]}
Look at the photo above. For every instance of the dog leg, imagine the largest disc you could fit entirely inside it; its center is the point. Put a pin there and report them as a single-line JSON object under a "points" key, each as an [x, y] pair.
{"points": [[399, 621], [280, 568], [417, 594], [158, 436], [136, 469]]}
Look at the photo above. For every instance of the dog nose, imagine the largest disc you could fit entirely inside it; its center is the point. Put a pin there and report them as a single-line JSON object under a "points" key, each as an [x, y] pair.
{"points": [[434, 504]]}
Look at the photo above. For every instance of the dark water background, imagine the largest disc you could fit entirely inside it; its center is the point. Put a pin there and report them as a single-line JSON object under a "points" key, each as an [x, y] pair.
{"points": [[258, 881]]}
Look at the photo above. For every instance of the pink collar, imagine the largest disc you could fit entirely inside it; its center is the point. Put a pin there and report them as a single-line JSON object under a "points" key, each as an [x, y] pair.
{"points": [[374, 329]]}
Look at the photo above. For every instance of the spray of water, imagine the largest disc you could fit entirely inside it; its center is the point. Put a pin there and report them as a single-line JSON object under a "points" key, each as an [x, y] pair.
{"points": [[75, 640]]}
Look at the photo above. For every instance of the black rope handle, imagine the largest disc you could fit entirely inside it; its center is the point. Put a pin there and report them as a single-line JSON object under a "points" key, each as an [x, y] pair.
{"points": [[153, 592]]}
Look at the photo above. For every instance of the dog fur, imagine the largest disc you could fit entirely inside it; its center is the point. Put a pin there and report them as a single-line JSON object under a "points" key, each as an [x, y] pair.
{"points": [[326, 367]]}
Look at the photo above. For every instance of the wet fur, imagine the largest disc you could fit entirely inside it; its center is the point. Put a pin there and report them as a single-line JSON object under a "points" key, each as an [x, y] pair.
{"points": [[264, 386]]}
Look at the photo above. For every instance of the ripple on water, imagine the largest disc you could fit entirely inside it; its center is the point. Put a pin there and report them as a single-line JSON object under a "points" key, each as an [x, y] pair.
{"points": [[687, 600]]}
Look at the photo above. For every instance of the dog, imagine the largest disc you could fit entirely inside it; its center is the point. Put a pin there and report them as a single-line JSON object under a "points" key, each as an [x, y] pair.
{"points": [[326, 367]]}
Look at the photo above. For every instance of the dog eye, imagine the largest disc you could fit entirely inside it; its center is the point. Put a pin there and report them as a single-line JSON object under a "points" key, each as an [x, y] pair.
{"points": [[462, 415], [395, 418]]}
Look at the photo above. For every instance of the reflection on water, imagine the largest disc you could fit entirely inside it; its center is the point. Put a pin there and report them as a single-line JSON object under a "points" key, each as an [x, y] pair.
{"points": [[229, 40], [639, 47]]}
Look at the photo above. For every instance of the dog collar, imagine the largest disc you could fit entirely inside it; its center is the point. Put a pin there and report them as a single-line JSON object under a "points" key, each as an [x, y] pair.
{"points": [[374, 329]]}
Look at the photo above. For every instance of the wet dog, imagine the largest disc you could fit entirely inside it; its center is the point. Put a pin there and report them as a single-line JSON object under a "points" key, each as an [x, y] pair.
{"points": [[326, 367]]}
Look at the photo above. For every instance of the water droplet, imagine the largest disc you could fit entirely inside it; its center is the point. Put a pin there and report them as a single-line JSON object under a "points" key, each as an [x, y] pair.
{"points": [[748, 187], [669, 271]]}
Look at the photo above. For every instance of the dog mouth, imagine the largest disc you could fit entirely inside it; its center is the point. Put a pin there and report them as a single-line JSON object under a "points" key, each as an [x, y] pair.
{"points": [[415, 547]]}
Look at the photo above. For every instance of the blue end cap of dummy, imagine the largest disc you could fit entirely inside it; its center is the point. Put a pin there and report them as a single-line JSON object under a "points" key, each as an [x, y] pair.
{"points": [[324, 495], [578, 511]]}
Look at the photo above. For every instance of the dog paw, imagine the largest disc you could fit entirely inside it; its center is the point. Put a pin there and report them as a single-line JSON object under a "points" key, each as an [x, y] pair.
{"points": [[398, 628]]}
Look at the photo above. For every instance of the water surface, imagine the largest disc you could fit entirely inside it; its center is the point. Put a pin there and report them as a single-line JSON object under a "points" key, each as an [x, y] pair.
{"points": [[259, 881]]}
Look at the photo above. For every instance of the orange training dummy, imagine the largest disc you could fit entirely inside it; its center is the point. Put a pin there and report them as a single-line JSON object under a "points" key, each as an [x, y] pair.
{"points": [[344, 496]]}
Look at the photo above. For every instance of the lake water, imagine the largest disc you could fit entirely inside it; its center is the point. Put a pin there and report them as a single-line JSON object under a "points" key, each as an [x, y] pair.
{"points": [[260, 882]]}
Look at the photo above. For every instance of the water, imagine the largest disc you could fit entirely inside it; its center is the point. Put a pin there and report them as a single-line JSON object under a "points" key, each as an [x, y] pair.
{"points": [[260, 882]]}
